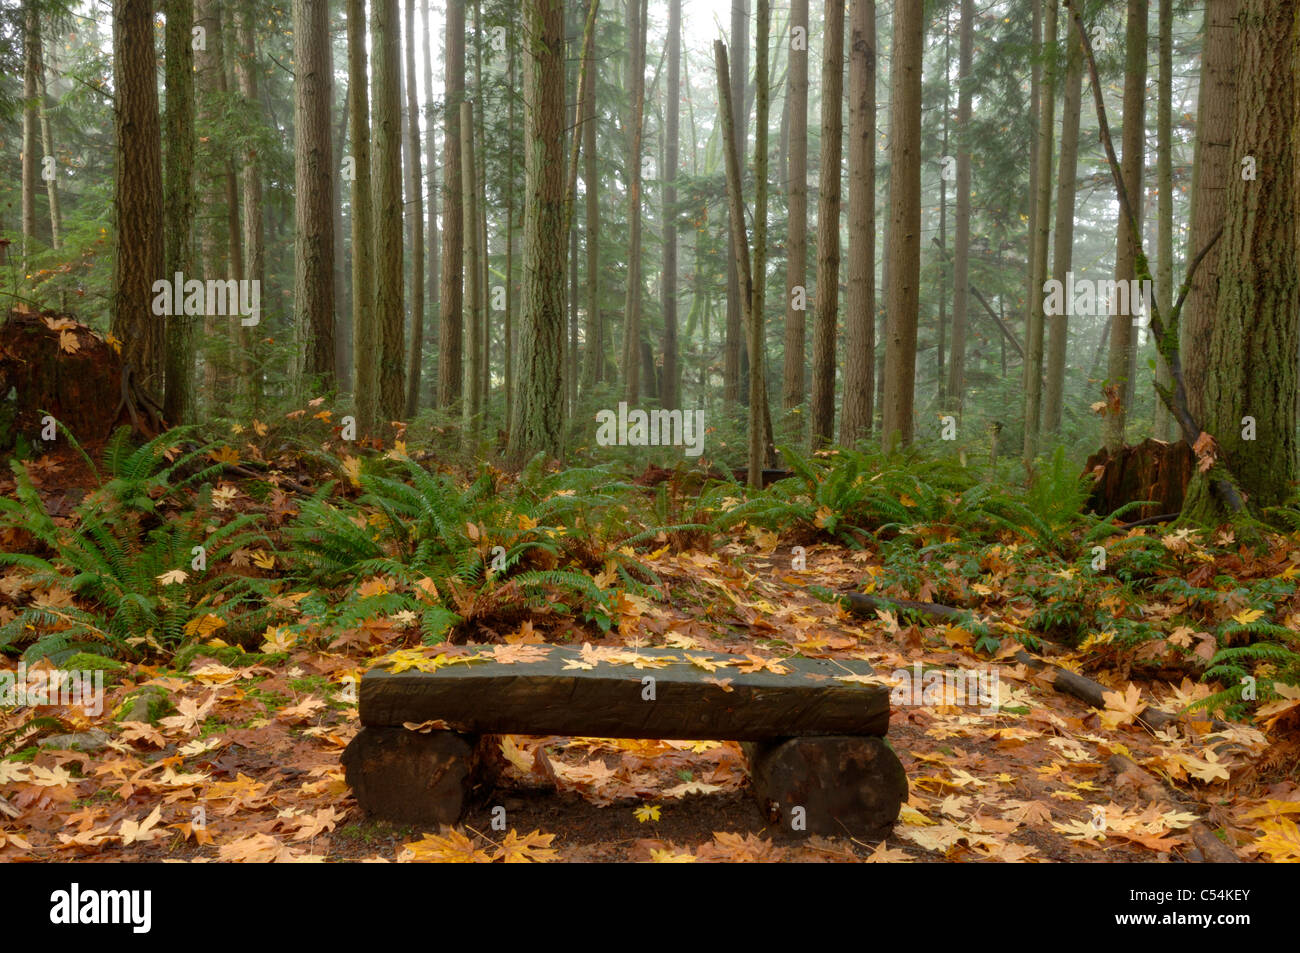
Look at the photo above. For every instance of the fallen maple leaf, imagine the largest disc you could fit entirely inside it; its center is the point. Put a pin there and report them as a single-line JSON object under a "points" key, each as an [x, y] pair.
{"points": [[1122, 708], [131, 831], [534, 848], [453, 848]]}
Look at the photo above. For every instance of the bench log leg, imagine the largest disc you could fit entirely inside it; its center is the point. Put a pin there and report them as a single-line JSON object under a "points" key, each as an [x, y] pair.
{"points": [[410, 777], [847, 786]]}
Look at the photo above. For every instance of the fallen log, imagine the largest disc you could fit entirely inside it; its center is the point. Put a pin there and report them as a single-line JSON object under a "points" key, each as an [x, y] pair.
{"points": [[1063, 680], [1211, 848]]}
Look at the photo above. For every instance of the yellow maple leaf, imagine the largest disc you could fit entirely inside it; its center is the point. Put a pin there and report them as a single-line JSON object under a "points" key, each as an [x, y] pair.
{"points": [[534, 848], [1122, 708], [1247, 616], [1281, 840], [226, 455], [671, 857], [648, 812], [132, 831], [454, 848]]}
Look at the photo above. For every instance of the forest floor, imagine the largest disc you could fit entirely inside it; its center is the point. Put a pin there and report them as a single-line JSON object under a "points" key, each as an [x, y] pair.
{"points": [[242, 763]]}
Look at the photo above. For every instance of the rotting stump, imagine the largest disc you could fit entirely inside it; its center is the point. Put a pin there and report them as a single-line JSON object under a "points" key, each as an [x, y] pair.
{"points": [[813, 731]]}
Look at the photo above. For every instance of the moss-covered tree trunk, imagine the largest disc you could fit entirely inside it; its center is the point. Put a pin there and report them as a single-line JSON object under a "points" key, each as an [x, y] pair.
{"points": [[538, 406], [1250, 381]]}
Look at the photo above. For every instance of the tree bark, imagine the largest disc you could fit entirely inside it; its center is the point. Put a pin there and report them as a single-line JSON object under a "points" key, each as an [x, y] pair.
{"points": [[450, 298], [1120, 364], [390, 312], [414, 186], [731, 348], [254, 243], [415, 375], [1042, 232], [1164, 422], [539, 401], [860, 299], [956, 391], [137, 195], [365, 334], [1063, 238], [31, 159], [471, 407], [178, 204], [670, 392], [822, 415], [1213, 168], [632, 305], [904, 253], [796, 276], [313, 190], [1251, 378]]}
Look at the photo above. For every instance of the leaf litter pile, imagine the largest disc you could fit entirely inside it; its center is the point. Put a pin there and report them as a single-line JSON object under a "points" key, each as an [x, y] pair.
{"points": [[230, 681]]}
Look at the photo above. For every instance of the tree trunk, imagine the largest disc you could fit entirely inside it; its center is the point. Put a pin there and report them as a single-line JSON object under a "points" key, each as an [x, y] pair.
{"points": [[416, 216], [860, 299], [1164, 422], [632, 305], [342, 305], [390, 314], [1063, 238], [1119, 366], [178, 205], [472, 407], [137, 195], [539, 401], [796, 276], [1251, 388], [731, 360], [670, 393], [1042, 232], [453, 214], [956, 392], [904, 251], [822, 415], [1032, 293], [210, 78], [735, 206], [416, 372], [31, 158], [47, 144], [254, 244], [365, 335], [594, 358], [1213, 169], [510, 250], [313, 190]]}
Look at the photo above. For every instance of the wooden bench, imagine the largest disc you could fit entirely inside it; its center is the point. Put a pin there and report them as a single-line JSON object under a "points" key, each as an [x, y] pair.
{"points": [[813, 730]]}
